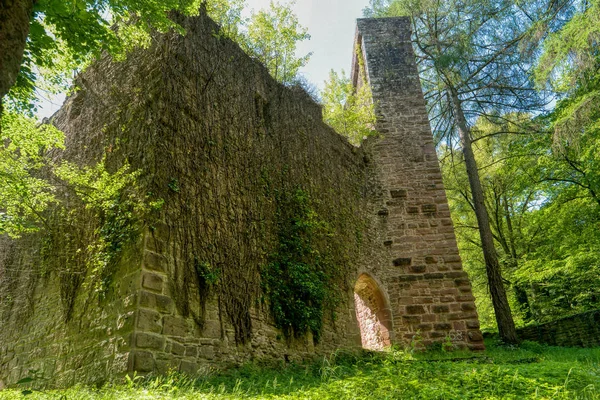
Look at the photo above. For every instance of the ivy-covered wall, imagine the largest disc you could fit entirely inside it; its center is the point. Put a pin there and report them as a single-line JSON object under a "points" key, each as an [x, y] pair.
{"points": [[244, 226], [259, 216]]}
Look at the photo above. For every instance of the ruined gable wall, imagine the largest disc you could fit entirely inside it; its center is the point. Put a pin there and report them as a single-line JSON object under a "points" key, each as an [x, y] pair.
{"points": [[218, 140]]}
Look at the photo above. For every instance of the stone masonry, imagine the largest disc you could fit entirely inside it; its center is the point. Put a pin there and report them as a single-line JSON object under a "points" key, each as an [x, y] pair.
{"points": [[580, 330], [421, 271], [212, 133]]}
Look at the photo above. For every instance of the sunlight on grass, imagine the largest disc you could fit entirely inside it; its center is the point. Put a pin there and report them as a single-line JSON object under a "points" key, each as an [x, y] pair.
{"points": [[531, 371]]}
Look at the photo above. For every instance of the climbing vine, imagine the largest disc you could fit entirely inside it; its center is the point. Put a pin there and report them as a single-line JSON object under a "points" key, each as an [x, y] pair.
{"points": [[298, 280], [99, 214]]}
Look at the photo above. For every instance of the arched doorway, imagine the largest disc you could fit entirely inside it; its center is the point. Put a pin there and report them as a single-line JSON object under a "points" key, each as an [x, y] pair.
{"points": [[373, 314]]}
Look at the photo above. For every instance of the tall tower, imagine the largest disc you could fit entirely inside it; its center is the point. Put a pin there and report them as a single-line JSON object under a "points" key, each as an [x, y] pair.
{"points": [[428, 292]]}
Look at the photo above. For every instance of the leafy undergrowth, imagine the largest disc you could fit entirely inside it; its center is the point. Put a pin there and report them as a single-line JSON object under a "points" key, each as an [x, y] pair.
{"points": [[529, 372]]}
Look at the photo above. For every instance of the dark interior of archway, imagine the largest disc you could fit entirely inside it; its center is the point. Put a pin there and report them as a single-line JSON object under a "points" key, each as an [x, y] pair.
{"points": [[372, 313]]}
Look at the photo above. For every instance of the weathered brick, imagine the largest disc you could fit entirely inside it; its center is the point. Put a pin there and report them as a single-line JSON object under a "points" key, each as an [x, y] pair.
{"points": [[438, 309], [411, 319], [148, 321], [415, 309], [143, 361], [158, 302], [398, 193], [428, 208], [154, 262], [401, 262], [188, 367], [453, 275], [417, 269], [177, 349], [475, 336], [473, 324]]}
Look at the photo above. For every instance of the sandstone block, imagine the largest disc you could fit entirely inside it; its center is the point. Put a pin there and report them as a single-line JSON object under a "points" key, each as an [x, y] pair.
{"points": [[175, 326], [399, 193], [143, 361], [152, 282], [148, 321], [402, 262], [158, 302], [149, 341], [415, 310], [438, 309], [154, 262]]}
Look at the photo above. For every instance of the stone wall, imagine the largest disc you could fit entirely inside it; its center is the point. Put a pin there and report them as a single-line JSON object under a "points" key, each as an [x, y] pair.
{"points": [[35, 339], [582, 330], [221, 143]]}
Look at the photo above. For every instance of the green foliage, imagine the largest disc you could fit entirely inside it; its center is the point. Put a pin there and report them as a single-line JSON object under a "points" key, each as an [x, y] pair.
{"points": [[571, 52], [297, 280], [24, 195], [347, 109], [272, 36], [115, 210], [544, 218], [569, 66], [532, 371], [65, 36]]}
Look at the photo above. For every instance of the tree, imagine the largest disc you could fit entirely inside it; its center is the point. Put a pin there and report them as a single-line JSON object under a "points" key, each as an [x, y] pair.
{"points": [[512, 188], [472, 67], [41, 43], [39, 38], [545, 229], [24, 196], [272, 36], [56, 38], [346, 109]]}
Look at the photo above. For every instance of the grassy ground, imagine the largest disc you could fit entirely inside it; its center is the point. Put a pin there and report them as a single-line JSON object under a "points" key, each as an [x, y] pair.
{"points": [[529, 372]]}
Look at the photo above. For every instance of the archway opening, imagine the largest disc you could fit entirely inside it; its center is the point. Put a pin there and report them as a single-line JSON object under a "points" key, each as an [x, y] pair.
{"points": [[373, 314]]}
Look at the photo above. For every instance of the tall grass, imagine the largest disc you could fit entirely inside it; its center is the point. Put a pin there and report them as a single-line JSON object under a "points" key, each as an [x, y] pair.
{"points": [[531, 371]]}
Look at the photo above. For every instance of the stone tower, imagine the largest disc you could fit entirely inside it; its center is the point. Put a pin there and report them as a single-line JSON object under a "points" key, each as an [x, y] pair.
{"points": [[421, 271]]}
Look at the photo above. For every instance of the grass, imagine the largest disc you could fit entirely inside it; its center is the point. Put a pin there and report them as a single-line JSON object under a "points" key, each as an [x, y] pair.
{"points": [[531, 371]]}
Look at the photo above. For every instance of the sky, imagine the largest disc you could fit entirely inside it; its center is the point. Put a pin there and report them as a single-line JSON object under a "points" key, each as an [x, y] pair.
{"points": [[331, 24]]}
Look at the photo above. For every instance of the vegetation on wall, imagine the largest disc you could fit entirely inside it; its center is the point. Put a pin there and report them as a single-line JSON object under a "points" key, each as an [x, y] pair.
{"points": [[301, 279], [272, 36], [24, 193], [347, 108]]}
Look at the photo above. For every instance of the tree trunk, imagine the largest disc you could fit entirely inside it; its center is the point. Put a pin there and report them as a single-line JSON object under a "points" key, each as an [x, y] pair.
{"points": [[506, 325], [15, 17]]}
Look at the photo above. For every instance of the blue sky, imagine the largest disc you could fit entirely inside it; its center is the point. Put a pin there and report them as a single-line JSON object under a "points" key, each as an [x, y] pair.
{"points": [[331, 24]]}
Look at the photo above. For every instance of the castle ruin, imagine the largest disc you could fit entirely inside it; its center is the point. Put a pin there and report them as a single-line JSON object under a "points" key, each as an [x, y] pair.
{"points": [[230, 152]]}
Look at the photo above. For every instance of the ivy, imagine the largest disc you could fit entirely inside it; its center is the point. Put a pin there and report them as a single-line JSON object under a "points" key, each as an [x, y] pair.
{"points": [[297, 279], [111, 205]]}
